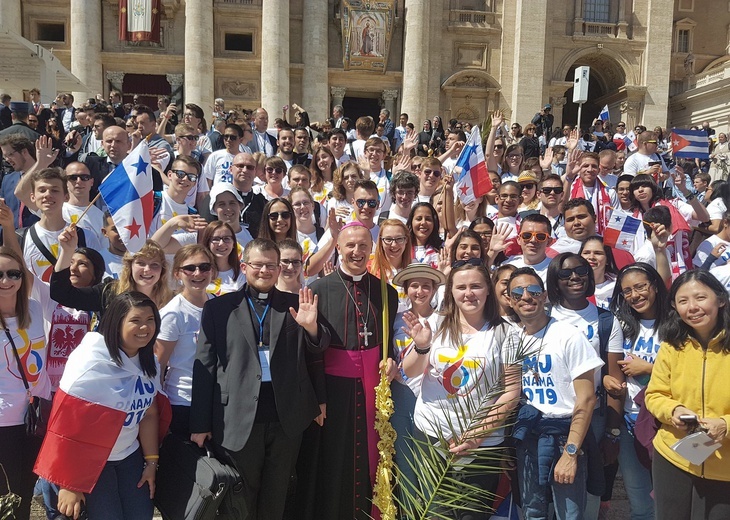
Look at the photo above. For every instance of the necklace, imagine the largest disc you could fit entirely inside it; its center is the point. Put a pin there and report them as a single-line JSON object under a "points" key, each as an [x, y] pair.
{"points": [[365, 332], [535, 369]]}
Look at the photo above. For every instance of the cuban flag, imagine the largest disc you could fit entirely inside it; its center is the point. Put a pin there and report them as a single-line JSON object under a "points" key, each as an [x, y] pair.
{"points": [[691, 144], [621, 231], [604, 114], [127, 192], [473, 181]]}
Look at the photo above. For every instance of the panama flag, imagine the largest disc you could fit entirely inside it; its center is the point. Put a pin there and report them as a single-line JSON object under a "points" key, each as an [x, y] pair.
{"points": [[630, 141], [127, 192], [604, 114], [691, 144], [621, 231], [473, 181]]}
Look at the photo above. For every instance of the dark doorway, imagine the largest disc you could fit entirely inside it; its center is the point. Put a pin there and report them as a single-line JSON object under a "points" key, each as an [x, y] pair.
{"points": [[147, 87], [357, 107], [591, 109]]}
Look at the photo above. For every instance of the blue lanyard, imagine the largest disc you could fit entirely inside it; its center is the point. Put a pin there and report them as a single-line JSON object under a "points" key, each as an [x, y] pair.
{"points": [[260, 319]]}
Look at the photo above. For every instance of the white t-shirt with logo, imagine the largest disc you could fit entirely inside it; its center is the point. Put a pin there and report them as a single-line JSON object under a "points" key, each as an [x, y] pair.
{"points": [[558, 354], [704, 250], [92, 222], [113, 263], [716, 209], [604, 293], [404, 344], [36, 261], [541, 268], [168, 209], [646, 346], [217, 168], [226, 283], [453, 375]]}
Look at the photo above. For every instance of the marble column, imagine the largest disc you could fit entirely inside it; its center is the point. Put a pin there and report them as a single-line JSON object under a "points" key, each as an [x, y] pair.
{"points": [[415, 60], [529, 69], [85, 39], [338, 97], [389, 103], [10, 16], [176, 84], [275, 56], [315, 47], [657, 63], [199, 72]]}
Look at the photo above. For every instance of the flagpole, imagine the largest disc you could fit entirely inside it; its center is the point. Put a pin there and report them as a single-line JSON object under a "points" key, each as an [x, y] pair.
{"points": [[86, 210]]}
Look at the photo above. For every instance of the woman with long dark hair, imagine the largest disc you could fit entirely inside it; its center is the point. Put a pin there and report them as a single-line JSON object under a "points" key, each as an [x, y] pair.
{"points": [[600, 258], [278, 221], [688, 393], [423, 225]]}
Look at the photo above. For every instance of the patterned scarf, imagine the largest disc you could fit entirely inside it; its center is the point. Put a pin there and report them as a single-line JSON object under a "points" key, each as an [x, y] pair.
{"points": [[600, 200]]}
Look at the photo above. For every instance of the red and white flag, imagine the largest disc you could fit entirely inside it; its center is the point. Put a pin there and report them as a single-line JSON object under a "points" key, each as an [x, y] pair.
{"points": [[139, 20], [621, 231], [127, 192]]}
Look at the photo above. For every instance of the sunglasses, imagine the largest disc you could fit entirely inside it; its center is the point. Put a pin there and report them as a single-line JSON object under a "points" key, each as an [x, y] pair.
{"points": [[529, 235], [12, 274], [472, 261], [533, 291], [435, 173], [547, 190], [393, 240], [285, 215], [650, 142], [181, 174], [581, 270], [274, 170], [372, 203], [514, 156], [205, 267], [499, 147], [529, 186], [227, 137], [294, 263], [83, 177], [248, 167], [189, 137]]}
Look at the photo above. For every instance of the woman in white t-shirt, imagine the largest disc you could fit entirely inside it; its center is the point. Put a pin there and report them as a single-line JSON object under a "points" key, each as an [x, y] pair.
{"points": [[194, 267], [110, 386], [462, 363], [21, 319], [392, 255], [220, 239], [641, 303], [600, 258]]}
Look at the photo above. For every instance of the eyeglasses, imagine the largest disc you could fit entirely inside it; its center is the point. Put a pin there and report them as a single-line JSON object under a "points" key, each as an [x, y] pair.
{"points": [[515, 128], [226, 137], [218, 240], [640, 288], [507, 196], [12, 274], [82, 177], [287, 261], [249, 167], [415, 166], [277, 170], [302, 204], [621, 125], [181, 174], [484, 234], [375, 150], [205, 267], [391, 240], [372, 203], [581, 270], [547, 190], [472, 261], [285, 215], [533, 291], [259, 267], [529, 235], [514, 156], [435, 173]]}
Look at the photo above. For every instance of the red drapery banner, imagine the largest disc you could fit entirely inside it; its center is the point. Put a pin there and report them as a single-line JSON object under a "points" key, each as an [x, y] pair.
{"points": [[139, 20]]}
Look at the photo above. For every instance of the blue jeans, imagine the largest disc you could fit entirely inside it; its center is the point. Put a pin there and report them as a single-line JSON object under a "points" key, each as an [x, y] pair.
{"points": [[569, 499], [116, 496], [404, 402], [49, 490], [637, 478]]}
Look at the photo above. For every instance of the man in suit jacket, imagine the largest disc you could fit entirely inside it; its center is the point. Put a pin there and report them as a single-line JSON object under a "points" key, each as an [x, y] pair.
{"points": [[258, 378], [262, 140]]}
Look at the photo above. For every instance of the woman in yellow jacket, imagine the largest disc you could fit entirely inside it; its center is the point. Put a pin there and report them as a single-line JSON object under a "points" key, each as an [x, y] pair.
{"points": [[690, 379]]}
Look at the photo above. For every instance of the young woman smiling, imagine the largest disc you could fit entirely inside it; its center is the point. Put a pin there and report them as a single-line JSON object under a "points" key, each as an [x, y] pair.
{"points": [[277, 221], [392, 254], [600, 258], [322, 168], [343, 190], [423, 224], [220, 240]]}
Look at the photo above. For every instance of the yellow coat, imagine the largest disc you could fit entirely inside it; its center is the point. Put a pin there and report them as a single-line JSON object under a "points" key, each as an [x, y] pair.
{"points": [[697, 380]]}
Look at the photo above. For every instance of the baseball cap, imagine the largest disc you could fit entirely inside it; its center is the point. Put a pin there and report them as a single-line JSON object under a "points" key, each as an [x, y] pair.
{"points": [[221, 188]]}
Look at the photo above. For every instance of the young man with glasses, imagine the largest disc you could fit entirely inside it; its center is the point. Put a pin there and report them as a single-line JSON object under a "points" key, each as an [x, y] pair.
{"points": [[551, 193], [79, 182], [534, 238], [558, 384], [403, 192], [182, 177], [429, 174], [375, 154], [646, 159], [365, 201], [244, 173], [218, 166]]}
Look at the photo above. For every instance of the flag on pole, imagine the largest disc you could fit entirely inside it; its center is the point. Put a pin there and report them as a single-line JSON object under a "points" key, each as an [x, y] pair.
{"points": [[621, 231], [139, 20], [473, 179], [630, 141], [692, 144], [603, 116], [127, 192]]}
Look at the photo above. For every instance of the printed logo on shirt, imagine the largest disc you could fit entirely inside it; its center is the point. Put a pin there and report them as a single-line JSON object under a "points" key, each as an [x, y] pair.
{"points": [[537, 381], [43, 269], [31, 357], [644, 348], [67, 331], [144, 392], [456, 375]]}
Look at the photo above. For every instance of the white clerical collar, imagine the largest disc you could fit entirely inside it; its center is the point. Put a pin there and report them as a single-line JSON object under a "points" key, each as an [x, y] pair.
{"points": [[355, 277]]}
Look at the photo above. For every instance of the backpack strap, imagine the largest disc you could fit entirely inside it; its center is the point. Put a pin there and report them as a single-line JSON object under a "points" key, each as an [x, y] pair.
{"points": [[605, 325], [40, 245], [157, 202]]}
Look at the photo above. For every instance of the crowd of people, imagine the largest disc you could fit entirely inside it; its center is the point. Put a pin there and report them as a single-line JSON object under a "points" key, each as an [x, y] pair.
{"points": [[256, 309]]}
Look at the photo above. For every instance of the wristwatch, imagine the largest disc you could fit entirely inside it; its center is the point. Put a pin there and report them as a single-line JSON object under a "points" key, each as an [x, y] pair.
{"points": [[571, 449]]}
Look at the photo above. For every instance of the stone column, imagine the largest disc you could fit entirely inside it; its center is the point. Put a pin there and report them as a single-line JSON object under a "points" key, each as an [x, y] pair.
{"points": [[415, 62], [199, 72], [389, 97], [529, 69], [10, 16], [658, 40], [176, 84], [315, 46], [86, 47], [116, 79], [338, 97], [275, 56]]}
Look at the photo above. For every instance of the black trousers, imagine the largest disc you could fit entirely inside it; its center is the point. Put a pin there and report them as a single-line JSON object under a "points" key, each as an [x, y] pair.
{"points": [[679, 495], [17, 456], [265, 463]]}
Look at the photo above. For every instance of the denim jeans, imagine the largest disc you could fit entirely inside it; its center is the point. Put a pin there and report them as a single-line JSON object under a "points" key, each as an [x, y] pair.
{"points": [[597, 429], [404, 402], [116, 496], [49, 490], [637, 478], [569, 499]]}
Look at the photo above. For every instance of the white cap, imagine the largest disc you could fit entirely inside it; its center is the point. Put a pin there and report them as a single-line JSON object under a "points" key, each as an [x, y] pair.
{"points": [[220, 188]]}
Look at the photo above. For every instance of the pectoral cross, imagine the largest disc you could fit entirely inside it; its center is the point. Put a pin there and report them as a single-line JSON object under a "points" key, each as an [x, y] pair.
{"points": [[365, 333]]}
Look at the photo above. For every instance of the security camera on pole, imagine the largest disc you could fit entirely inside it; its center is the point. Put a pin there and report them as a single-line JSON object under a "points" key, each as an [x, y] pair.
{"points": [[580, 89]]}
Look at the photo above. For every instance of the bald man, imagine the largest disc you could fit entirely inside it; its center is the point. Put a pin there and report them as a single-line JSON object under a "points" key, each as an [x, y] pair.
{"points": [[264, 139]]}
